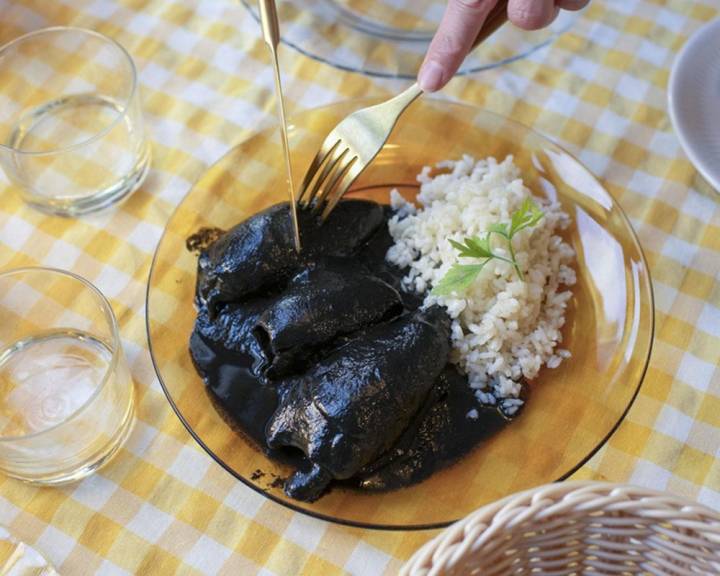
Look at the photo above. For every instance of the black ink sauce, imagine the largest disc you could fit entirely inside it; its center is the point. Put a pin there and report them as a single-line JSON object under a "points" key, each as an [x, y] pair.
{"points": [[231, 355]]}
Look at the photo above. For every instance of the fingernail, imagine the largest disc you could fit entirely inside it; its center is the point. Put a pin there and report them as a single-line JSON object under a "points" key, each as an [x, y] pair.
{"points": [[431, 76]]}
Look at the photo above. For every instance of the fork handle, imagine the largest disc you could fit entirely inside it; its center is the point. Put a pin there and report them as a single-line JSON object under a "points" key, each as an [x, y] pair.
{"points": [[495, 18]]}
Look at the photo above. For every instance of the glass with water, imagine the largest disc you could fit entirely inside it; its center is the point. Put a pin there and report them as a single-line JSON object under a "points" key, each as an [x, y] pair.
{"points": [[66, 396], [71, 131]]}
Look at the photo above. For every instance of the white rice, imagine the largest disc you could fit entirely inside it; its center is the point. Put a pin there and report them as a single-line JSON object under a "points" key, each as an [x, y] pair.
{"points": [[503, 329]]}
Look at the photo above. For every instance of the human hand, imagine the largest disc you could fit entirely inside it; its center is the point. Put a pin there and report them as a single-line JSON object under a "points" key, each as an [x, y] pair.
{"points": [[462, 22]]}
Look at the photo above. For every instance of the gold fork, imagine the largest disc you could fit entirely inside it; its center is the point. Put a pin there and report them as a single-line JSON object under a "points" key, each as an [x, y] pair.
{"points": [[358, 138]]}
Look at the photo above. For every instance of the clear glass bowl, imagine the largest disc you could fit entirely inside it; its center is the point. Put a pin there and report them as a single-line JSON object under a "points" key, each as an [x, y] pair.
{"points": [[388, 38], [572, 410]]}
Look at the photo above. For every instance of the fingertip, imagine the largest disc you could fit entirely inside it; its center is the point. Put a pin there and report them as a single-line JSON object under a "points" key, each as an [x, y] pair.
{"points": [[431, 76], [532, 14], [458, 28]]}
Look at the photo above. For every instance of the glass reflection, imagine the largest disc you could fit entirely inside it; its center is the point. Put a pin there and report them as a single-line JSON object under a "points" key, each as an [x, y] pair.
{"points": [[603, 256]]}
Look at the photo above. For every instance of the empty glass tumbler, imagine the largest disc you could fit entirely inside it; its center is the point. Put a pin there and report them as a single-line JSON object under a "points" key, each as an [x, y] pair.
{"points": [[66, 395], [71, 132]]}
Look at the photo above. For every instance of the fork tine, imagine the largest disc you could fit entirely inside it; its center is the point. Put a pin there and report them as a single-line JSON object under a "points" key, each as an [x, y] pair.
{"points": [[340, 171], [328, 168], [322, 155], [350, 175]]}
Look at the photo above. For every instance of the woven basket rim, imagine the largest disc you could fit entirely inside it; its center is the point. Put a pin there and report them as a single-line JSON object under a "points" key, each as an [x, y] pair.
{"points": [[561, 502]]}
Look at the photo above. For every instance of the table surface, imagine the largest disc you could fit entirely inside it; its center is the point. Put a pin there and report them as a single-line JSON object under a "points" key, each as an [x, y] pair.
{"points": [[163, 506]]}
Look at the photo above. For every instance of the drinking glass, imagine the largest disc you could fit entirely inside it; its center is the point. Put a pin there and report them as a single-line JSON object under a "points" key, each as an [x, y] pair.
{"points": [[66, 396], [71, 132]]}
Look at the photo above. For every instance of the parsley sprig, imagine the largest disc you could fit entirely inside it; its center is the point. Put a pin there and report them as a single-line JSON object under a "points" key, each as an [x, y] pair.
{"points": [[460, 276]]}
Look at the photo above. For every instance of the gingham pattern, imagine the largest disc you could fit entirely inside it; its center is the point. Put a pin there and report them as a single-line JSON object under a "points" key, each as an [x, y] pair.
{"points": [[163, 506]]}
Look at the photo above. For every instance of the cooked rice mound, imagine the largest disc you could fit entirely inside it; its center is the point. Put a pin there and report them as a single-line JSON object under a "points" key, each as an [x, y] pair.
{"points": [[504, 329]]}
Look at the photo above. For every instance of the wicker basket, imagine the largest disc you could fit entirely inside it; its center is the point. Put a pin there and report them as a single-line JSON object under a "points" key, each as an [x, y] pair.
{"points": [[578, 528]]}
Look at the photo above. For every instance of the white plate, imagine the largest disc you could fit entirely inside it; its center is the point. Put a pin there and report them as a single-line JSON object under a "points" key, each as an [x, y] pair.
{"points": [[694, 101]]}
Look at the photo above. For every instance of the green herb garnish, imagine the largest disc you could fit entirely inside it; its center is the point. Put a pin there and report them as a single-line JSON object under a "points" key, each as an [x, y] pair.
{"points": [[460, 276]]}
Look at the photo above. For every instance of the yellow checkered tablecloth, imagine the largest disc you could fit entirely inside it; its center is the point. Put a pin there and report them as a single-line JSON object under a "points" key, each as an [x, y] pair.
{"points": [[163, 506]]}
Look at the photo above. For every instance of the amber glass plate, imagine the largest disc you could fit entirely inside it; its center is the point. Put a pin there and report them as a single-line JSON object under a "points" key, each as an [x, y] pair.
{"points": [[572, 409]]}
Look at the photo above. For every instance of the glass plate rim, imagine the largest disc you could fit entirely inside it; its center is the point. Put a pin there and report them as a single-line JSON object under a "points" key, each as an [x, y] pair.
{"points": [[398, 527], [406, 76]]}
